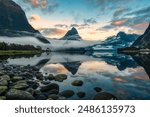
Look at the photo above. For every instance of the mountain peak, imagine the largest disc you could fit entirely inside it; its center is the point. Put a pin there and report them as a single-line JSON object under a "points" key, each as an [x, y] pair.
{"points": [[121, 34], [72, 35], [71, 32]]}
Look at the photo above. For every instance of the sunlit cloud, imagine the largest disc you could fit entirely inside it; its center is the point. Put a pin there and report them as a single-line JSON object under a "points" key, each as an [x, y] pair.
{"points": [[118, 22], [53, 32], [94, 19]]}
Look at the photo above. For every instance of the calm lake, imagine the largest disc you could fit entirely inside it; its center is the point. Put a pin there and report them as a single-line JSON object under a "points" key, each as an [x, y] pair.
{"points": [[126, 77]]}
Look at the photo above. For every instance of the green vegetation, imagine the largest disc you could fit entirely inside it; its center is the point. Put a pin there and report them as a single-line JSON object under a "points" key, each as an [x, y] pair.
{"points": [[19, 52], [16, 49]]}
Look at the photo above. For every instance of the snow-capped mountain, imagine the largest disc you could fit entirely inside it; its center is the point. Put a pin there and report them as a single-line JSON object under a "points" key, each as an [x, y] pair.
{"points": [[120, 40]]}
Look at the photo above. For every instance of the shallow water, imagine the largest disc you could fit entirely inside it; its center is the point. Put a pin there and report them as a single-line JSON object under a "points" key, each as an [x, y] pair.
{"points": [[126, 77]]}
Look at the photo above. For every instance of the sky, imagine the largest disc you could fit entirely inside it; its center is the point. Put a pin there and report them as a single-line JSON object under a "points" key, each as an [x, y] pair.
{"points": [[94, 19]]}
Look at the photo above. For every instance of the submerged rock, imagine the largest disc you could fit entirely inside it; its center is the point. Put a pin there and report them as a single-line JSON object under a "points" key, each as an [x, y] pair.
{"points": [[60, 77], [50, 87], [104, 96], [98, 89], [81, 94], [14, 94], [77, 83], [67, 93]]}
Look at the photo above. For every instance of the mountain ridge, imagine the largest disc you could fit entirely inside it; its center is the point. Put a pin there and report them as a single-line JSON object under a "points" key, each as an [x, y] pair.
{"points": [[121, 39], [14, 23]]}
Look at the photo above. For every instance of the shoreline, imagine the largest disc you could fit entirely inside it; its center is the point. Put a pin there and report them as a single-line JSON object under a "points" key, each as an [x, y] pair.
{"points": [[19, 52]]}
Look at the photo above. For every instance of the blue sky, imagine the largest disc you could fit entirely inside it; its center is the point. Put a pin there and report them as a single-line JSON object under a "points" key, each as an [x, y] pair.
{"points": [[94, 19]]}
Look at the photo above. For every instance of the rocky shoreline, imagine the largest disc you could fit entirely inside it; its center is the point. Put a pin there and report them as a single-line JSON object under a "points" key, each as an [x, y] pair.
{"points": [[27, 83]]}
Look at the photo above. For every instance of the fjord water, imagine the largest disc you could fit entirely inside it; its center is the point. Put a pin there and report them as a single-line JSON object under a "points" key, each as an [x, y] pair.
{"points": [[125, 76]]}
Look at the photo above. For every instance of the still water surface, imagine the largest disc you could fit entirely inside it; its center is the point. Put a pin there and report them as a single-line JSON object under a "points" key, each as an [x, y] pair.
{"points": [[126, 77]]}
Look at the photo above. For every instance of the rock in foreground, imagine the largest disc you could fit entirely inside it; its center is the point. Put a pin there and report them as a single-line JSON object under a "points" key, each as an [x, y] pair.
{"points": [[14, 94], [104, 96]]}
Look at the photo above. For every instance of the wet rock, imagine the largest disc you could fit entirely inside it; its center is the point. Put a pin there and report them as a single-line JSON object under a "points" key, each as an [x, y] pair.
{"points": [[67, 93], [3, 89], [37, 92], [21, 86], [2, 98], [29, 75], [50, 77], [21, 81], [45, 82], [50, 87], [53, 96], [77, 83], [5, 77], [16, 78], [98, 89], [54, 91], [11, 74], [30, 90], [1, 73], [30, 82], [39, 76], [104, 96], [35, 68], [60, 77], [41, 97], [3, 82], [14, 94], [81, 94], [35, 85]]}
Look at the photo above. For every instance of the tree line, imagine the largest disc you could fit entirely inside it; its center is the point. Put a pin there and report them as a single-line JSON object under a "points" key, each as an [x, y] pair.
{"points": [[4, 46]]}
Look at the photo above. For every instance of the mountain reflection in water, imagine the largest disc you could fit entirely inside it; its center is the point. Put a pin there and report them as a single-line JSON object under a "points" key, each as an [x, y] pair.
{"points": [[124, 76]]}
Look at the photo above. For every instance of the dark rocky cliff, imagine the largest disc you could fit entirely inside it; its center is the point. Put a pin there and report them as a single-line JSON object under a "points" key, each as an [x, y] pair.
{"points": [[144, 40], [13, 22]]}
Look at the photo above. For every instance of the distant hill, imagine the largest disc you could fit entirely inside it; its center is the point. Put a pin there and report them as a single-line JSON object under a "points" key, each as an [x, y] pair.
{"points": [[13, 22]]}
